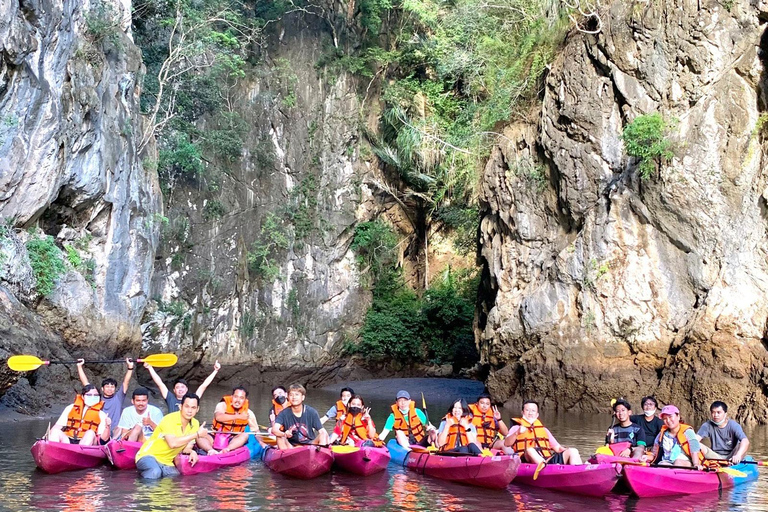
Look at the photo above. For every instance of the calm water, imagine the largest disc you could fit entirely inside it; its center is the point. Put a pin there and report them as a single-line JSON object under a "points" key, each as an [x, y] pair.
{"points": [[253, 487]]}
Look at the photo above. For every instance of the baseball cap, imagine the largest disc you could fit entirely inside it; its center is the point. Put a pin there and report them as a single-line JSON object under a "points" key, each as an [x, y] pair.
{"points": [[669, 410], [403, 394]]}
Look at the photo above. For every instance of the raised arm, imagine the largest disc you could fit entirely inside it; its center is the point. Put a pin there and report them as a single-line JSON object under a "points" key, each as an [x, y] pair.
{"points": [[157, 380], [208, 380], [81, 372], [128, 373]]}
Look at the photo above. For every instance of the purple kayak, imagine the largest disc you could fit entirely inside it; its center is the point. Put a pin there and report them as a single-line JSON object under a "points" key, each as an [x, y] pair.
{"points": [[303, 462], [208, 463], [583, 479], [650, 482], [361, 461], [54, 457], [122, 454], [494, 472]]}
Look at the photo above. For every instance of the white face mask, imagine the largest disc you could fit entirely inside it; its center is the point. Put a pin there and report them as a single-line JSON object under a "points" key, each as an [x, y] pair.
{"points": [[722, 423], [90, 401], [649, 413]]}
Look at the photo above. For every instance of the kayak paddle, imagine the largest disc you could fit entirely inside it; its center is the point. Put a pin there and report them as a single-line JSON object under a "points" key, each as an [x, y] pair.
{"points": [[755, 462], [424, 406], [728, 471], [605, 450], [28, 363]]}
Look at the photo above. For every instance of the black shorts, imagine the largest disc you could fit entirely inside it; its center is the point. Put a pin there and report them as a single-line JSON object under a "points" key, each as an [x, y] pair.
{"points": [[557, 458], [74, 440]]}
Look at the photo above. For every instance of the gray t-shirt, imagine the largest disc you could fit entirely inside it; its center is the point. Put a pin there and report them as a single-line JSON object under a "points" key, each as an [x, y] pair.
{"points": [[305, 427], [173, 403], [724, 440], [113, 406]]}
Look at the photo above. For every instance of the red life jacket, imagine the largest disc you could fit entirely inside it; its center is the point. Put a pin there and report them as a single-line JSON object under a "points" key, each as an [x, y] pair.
{"points": [[77, 423], [234, 425]]}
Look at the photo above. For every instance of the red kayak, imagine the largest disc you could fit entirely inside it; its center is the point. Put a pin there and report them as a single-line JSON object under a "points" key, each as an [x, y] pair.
{"points": [[54, 457], [494, 472], [303, 462], [651, 482], [362, 461], [122, 454], [208, 463], [584, 479]]}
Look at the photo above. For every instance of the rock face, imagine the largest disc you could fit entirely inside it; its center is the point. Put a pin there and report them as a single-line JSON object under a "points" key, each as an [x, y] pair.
{"points": [[68, 166], [599, 284]]}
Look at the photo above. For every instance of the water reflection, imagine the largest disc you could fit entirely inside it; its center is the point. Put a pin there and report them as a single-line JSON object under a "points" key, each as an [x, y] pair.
{"points": [[253, 487]]}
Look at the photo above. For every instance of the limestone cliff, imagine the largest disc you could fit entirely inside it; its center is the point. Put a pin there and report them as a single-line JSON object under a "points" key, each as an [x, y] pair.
{"points": [[600, 284]]}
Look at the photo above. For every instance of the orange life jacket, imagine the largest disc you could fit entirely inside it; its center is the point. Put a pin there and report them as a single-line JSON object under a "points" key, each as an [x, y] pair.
{"points": [[684, 444], [277, 407], [341, 410], [234, 425], [485, 425], [535, 437], [413, 428], [355, 424], [457, 436], [77, 423]]}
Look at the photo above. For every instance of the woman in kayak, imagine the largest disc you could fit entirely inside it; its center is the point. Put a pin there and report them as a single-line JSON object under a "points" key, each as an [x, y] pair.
{"points": [[357, 428], [82, 422], [456, 432]]}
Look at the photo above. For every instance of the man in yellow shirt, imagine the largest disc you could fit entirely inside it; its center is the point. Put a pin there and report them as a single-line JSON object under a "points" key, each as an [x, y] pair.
{"points": [[175, 433]]}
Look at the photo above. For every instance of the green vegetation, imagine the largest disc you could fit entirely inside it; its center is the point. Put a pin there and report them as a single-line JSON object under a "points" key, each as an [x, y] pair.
{"points": [[214, 209], [47, 263], [262, 258], [102, 24], [645, 138], [303, 210]]}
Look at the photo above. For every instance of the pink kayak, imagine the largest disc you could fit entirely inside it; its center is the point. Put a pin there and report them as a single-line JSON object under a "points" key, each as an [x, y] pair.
{"points": [[208, 463], [494, 472], [122, 454], [54, 457], [363, 461], [600, 458], [584, 479], [303, 462], [647, 482]]}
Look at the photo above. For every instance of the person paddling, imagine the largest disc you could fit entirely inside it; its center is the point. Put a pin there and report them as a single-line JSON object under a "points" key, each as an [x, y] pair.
{"points": [[112, 395], [83, 422], [626, 432], [357, 427], [534, 443], [140, 419], [177, 432], [487, 420], [230, 418], [729, 442], [456, 432], [279, 397], [409, 423], [648, 420], [676, 444], [298, 424]]}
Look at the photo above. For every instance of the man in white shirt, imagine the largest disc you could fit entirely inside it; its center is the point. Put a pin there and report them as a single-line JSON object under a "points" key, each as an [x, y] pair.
{"points": [[138, 421]]}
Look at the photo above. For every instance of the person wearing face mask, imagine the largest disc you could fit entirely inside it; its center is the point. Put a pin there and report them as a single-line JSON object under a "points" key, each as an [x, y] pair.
{"points": [[648, 420], [456, 432], [627, 434], [112, 395], [83, 422], [729, 442], [279, 397], [357, 428], [409, 423], [180, 387], [339, 409]]}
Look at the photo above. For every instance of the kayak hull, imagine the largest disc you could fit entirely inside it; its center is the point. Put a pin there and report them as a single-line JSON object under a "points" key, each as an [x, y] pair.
{"points": [[398, 454], [582, 479], [208, 463], [653, 482], [304, 462], [365, 461], [54, 457], [494, 472], [122, 454]]}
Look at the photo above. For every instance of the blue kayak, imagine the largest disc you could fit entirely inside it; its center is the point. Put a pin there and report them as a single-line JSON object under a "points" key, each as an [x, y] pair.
{"points": [[398, 453], [253, 446]]}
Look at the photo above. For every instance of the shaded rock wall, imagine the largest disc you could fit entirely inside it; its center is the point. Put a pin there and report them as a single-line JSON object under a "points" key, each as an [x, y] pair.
{"points": [[599, 284]]}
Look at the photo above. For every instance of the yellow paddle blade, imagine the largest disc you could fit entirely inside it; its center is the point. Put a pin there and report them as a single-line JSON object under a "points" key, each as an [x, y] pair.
{"points": [[539, 467], [423, 401], [160, 360], [24, 363], [732, 472], [613, 402], [604, 450], [345, 448], [486, 453]]}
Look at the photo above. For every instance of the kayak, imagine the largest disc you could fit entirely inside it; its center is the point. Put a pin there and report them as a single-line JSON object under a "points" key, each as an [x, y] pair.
{"points": [[651, 482], [495, 472], [122, 454], [583, 479], [208, 463], [362, 461], [303, 462], [54, 457], [600, 458], [398, 454]]}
